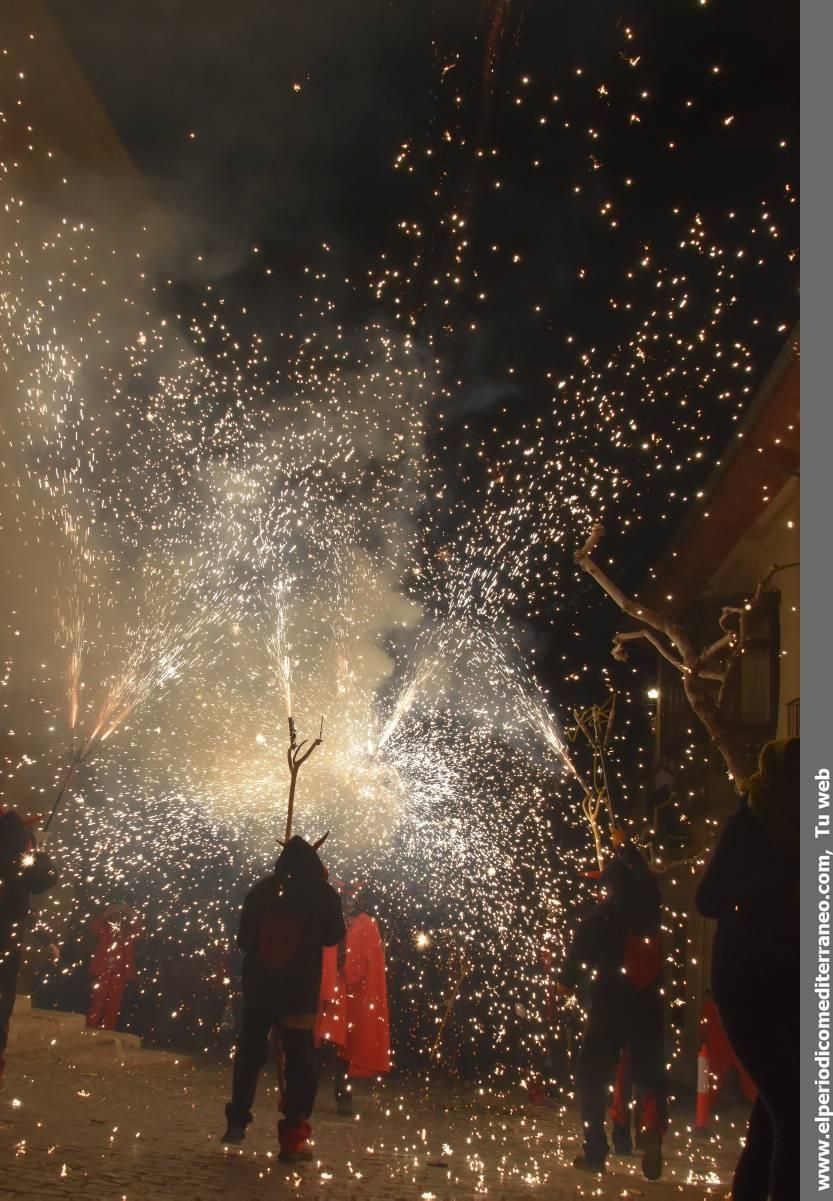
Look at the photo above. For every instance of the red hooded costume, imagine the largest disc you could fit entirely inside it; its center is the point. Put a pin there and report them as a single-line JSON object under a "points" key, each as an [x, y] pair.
{"points": [[112, 965], [353, 1010]]}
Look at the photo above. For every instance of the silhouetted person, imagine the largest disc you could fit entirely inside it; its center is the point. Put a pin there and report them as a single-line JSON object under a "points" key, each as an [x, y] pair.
{"points": [[616, 952], [751, 887], [287, 919], [24, 871]]}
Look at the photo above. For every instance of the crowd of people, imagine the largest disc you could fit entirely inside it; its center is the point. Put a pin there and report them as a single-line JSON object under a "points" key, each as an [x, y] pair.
{"points": [[315, 995]]}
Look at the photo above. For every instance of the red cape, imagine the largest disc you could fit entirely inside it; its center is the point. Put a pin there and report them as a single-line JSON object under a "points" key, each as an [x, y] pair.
{"points": [[353, 1010], [113, 954]]}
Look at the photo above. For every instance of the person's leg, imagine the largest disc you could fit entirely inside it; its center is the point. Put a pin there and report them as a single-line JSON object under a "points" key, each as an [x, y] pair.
{"points": [[645, 1038], [96, 1006], [301, 1076], [761, 1019], [343, 1087], [620, 1110], [301, 1086], [596, 1066], [9, 966], [252, 1046], [276, 1051], [323, 1055], [326, 1059], [752, 1172], [113, 997]]}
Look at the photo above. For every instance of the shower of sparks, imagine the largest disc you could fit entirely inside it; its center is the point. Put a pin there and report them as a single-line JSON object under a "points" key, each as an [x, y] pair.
{"points": [[209, 532]]}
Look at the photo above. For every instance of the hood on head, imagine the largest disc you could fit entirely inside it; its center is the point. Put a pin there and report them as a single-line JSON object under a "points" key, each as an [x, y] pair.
{"points": [[773, 791], [614, 878], [779, 762], [635, 893], [299, 861], [13, 833]]}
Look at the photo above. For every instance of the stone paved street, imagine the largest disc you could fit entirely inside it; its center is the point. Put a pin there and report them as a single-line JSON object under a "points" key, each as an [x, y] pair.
{"points": [[153, 1136]]}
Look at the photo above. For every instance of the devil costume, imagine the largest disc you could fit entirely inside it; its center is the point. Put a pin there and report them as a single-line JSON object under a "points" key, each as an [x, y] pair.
{"points": [[616, 952], [287, 919], [23, 872], [113, 964], [353, 1007]]}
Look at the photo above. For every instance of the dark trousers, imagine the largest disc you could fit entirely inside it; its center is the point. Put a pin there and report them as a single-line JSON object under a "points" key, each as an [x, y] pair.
{"points": [[301, 1081], [620, 1109], [327, 1054], [9, 967], [751, 1179], [759, 1011], [624, 1021]]}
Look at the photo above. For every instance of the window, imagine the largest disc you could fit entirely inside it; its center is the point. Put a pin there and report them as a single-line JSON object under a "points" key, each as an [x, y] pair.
{"points": [[758, 674]]}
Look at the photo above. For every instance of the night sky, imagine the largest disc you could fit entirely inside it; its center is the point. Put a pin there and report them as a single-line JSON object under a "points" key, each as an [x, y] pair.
{"points": [[298, 114], [574, 226], [585, 215], [287, 170]]}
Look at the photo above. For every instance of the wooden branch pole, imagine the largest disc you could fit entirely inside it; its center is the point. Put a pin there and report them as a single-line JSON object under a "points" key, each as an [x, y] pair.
{"points": [[67, 780], [465, 968], [709, 703], [78, 759], [296, 757], [596, 724]]}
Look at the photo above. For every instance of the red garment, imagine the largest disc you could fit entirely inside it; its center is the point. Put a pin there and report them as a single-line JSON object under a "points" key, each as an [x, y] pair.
{"points": [[643, 959], [331, 1022], [112, 965], [353, 1007], [105, 1002], [722, 1058], [646, 1111], [293, 1136]]}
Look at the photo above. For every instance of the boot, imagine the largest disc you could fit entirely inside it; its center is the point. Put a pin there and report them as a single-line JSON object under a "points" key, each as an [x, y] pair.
{"points": [[597, 1166], [235, 1129], [234, 1135], [622, 1144], [652, 1161], [293, 1137]]}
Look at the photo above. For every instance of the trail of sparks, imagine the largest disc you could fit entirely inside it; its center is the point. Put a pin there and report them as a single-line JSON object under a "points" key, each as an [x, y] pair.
{"points": [[240, 528]]}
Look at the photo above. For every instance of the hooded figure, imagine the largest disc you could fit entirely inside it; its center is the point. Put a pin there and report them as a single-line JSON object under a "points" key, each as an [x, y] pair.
{"points": [[113, 964], [353, 1007], [287, 918], [751, 888], [616, 955], [24, 871]]}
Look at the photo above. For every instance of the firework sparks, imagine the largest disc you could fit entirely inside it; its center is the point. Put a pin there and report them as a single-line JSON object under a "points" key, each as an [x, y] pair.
{"points": [[343, 520]]}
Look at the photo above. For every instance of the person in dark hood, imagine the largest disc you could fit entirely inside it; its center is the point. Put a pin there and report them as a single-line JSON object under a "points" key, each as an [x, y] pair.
{"points": [[616, 955], [751, 888], [24, 871], [287, 918]]}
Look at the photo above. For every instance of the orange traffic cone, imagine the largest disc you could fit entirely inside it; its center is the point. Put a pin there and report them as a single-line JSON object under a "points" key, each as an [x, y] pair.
{"points": [[701, 1116]]}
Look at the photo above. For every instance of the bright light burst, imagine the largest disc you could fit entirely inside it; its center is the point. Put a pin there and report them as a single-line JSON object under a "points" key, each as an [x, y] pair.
{"points": [[210, 534]]}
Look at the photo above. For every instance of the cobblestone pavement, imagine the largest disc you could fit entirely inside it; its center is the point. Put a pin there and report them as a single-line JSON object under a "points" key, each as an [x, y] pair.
{"points": [[148, 1136]]}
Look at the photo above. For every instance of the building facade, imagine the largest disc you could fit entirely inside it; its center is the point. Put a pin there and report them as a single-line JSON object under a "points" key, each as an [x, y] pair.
{"points": [[745, 522]]}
